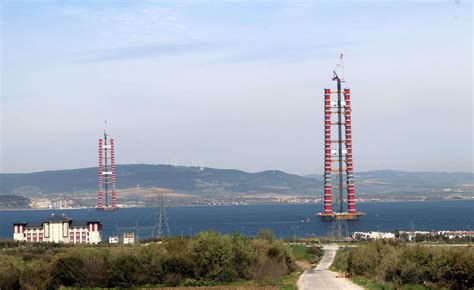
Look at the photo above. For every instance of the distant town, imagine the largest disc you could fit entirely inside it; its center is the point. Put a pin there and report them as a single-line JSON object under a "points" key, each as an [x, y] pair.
{"points": [[189, 186], [66, 203]]}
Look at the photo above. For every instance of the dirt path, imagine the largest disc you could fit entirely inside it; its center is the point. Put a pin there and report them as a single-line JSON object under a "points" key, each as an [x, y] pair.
{"points": [[321, 278]]}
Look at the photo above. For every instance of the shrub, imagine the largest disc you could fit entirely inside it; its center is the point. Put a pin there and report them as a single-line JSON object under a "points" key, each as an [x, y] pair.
{"points": [[317, 251], [273, 260], [96, 265], [123, 271], [363, 261], [68, 271], [265, 234], [211, 254], [207, 259], [341, 261], [401, 264], [151, 265], [244, 256], [173, 279], [10, 272], [35, 275]]}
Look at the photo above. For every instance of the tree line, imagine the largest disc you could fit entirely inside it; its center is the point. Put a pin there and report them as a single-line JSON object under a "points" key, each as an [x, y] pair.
{"points": [[207, 259], [392, 264]]}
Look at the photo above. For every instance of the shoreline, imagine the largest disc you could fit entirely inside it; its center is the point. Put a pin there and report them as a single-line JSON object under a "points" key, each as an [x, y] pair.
{"points": [[239, 205]]}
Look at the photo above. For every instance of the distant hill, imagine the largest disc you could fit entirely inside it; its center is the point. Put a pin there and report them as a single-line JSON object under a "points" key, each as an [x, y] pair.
{"points": [[176, 178], [416, 178], [211, 182], [14, 201]]}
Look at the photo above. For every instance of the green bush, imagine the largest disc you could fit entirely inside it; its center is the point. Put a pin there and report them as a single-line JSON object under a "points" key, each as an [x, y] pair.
{"points": [[10, 268], [123, 271], [68, 271], [244, 256], [265, 234], [341, 261], [207, 259], [35, 275], [211, 254], [273, 260], [417, 266], [316, 251]]}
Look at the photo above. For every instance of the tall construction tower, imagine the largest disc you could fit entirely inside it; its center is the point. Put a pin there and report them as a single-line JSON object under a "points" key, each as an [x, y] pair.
{"points": [[338, 167], [107, 188]]}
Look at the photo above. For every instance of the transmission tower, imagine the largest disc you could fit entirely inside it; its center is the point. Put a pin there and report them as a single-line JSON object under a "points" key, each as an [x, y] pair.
{"points": [[161, 222], [339, 230]]}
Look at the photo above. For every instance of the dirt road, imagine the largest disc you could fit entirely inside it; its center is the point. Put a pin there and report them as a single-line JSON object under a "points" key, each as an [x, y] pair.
{"points": [[321, 278]]}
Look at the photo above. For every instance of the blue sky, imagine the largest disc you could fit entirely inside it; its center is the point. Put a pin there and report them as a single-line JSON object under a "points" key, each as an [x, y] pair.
{"points": [[234, 84]]}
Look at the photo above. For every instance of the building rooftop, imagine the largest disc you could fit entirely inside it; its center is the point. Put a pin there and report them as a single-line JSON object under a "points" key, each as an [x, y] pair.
{"points": [[76, 223], [57, 218], [33, 225], [128, 235]]}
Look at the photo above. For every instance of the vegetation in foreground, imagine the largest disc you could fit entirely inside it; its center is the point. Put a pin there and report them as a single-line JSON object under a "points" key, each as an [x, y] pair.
{"points": [[207, 259], [310, 254], [396, 265], [304, 255]]}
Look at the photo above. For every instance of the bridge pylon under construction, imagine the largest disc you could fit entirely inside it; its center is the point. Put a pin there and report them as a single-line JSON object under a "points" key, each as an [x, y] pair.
{"points": [[338, 163], [107, 190]]}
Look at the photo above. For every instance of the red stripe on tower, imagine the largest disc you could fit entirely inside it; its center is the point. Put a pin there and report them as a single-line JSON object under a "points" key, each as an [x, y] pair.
{"points": [[112, 163], [100, 203], [349, 171], [327, 152]]}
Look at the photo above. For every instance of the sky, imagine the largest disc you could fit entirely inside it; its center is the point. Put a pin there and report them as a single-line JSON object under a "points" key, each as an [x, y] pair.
{"points": [[234, 84]]}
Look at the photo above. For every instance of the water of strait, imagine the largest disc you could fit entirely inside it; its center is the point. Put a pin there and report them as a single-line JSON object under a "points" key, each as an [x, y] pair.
{"points": [[283, 219]]}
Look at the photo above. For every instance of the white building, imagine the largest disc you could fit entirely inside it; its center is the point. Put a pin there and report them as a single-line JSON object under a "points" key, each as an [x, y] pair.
{"points": [[372, 235], [113, 240], [59, 229], [128, 238]]}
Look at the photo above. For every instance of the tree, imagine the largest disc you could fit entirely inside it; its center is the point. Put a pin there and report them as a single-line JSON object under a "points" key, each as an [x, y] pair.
{"points": [[123, 271], [68, 270], [212, 255], [265, 234], [244, 256]]}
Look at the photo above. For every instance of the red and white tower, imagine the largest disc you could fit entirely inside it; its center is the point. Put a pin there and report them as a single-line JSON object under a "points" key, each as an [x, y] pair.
{"points": [[338, 153], [107, 187]]}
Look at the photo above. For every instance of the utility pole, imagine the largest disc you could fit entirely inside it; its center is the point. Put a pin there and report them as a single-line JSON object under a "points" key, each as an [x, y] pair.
{"points": [[136, 231], [294, 233], [470, 234]]}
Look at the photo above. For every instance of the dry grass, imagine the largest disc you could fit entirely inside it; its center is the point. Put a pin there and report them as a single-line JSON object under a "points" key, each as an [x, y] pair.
{"points": [[151, 192]]}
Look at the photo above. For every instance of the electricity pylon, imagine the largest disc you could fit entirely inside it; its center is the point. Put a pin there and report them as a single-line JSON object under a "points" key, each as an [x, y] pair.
{"points": [[161, 222]]}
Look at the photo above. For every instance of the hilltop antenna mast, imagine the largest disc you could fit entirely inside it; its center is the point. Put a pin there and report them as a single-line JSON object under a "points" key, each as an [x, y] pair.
{"points": [[340, 153]]}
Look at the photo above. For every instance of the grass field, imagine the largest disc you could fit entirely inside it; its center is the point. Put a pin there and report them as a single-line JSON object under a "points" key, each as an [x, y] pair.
{"points": [[312, 254]]}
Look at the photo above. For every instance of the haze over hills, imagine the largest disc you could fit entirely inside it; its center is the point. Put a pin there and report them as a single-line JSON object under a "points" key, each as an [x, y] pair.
{"points": [[139, 182], [176, 178], [417, 178]]}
